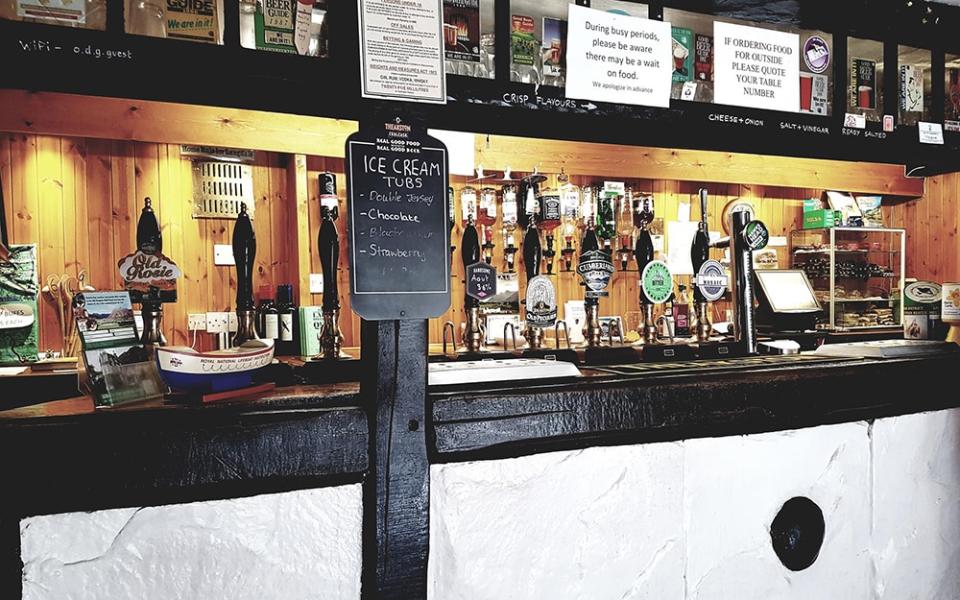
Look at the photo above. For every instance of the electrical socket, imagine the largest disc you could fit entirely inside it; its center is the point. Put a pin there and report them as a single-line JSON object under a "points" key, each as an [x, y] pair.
{"points": [[217, 322], [233, 324], [197, 322]]}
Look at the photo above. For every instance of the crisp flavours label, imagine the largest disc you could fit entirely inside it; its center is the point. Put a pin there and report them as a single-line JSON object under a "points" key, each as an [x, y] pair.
{"points": [[523, 44], [194, 20], [595, 268], [61, 11], [541, 308], [657, 282], [275, 22]]}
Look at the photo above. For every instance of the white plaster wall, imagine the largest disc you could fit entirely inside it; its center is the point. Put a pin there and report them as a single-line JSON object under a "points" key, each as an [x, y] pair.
{"points": [[733, 489], [586, 525], [301, 544], [916, 507]]}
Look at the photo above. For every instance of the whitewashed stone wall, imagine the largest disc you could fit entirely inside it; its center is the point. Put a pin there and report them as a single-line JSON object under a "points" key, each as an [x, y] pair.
{"points": [[691, 520], [290, 546]]}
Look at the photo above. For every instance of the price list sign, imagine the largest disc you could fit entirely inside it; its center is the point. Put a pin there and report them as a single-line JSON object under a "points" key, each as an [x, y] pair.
{"points": [[399, 230]]}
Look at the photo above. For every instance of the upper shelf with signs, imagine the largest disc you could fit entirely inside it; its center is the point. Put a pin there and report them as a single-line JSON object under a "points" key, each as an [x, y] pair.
{"points": [[755, 77]]}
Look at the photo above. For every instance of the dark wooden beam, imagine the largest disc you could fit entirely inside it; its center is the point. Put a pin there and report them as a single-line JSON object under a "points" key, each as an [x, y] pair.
{"points": [[397, 489]]}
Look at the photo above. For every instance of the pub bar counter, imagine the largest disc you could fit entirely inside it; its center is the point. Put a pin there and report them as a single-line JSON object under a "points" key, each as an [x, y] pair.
{"points": [[479, 300]]}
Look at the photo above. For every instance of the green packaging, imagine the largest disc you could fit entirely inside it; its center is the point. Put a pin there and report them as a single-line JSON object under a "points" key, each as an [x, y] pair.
{"points": [[275, 22], [311, 320], [19, 289], [821, 218]]}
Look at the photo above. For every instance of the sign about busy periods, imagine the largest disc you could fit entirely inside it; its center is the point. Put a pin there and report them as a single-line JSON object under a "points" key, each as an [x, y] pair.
{"points": [[399, 231], [756, 68], [617, 58]]}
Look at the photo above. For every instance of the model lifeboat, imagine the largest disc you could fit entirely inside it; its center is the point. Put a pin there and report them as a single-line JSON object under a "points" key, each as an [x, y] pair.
{"points": [[185, 369]]}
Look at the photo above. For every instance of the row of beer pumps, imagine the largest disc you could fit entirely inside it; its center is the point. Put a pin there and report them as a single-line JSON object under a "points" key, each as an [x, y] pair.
{"points": [[591, 213]]}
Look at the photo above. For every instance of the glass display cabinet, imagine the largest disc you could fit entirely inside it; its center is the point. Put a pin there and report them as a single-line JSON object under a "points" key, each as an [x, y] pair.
{"points": [[857, 274]]}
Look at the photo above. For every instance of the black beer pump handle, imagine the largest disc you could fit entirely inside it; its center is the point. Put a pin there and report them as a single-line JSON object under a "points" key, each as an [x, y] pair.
{"points": [[532, 252], [643, 253], [328, 243], [470, 254], [244, 253], [700, 248], [149, 238]]}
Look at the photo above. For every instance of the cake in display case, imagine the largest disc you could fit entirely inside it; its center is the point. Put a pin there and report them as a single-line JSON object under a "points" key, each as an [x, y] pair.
{"points": [[857, 274]]}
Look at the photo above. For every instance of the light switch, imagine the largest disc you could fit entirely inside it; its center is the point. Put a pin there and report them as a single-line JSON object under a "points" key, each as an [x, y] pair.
{"points": [[223, 255], [316, 283]]}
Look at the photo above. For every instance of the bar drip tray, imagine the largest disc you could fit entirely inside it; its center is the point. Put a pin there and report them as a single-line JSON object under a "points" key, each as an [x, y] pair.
{"points": [[726, 364]]}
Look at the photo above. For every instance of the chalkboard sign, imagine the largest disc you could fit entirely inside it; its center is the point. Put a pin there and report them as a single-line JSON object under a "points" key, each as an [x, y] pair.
{"points": [[481, 280], [399, 230]]}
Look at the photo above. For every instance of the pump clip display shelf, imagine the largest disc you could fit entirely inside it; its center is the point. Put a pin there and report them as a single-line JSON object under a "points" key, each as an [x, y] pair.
{"points": [[857, 274]]}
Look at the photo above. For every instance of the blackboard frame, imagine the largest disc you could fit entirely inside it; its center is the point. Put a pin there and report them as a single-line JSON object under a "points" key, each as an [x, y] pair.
{"points": [[388, 304]]}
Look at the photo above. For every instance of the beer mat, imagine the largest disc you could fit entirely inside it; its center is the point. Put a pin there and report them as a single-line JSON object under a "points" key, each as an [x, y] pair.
{"points": [[727, 364]]}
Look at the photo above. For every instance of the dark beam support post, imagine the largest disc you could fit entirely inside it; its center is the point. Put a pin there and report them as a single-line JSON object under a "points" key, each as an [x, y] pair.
{"points": [[396, 491]]}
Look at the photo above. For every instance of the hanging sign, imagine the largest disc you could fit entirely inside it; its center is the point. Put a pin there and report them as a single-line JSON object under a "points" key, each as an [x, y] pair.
{"points": [[757, 68], [399, 229], [595, 269], [617, 58], [481, 280], [401, 50], [657, 282], [541, 301]]}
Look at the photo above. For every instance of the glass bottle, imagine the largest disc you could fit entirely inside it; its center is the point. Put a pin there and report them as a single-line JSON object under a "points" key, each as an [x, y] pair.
{"points": [[286, 313], [588, 207], [625, 228], [569, 218], [267, 317], [550, 216], [468, 205], [508, 195], [606, 220]]}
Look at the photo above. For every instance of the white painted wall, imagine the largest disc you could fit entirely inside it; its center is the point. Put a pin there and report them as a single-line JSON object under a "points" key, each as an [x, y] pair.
{"points": [[916, 507], [691, 520], [588, 524], [290, 546]]}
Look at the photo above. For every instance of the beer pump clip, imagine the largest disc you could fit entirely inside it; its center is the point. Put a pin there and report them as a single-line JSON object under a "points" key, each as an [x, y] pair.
{"points": [[479, 282], [149, 276]]}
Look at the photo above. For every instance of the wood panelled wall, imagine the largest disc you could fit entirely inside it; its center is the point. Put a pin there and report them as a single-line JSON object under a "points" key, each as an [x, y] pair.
{"points": [[79, 199], [932, 223]]}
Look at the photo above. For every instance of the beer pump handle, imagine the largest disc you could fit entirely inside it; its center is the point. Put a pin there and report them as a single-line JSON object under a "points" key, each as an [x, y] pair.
{"points": [[532, 251], [328, 243], [244, 253], [470, 254], [643, 253], [149, 238]]}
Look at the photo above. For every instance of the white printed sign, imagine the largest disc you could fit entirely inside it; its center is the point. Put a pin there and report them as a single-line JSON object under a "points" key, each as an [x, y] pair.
{"points": [[757, 68], [401, 50], [930, 133], [616, 58]]}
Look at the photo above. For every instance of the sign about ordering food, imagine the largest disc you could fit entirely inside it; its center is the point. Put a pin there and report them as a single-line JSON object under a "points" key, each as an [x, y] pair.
{"points": [[757, 68], [617, 58]]}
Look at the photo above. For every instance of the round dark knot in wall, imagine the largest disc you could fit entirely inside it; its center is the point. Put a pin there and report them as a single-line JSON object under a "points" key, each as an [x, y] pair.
{"points": [[797, 533]]}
